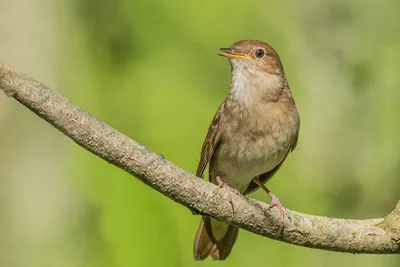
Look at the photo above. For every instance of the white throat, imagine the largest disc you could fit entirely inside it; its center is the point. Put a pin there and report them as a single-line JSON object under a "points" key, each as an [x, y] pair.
{"points": [[246, 88]]}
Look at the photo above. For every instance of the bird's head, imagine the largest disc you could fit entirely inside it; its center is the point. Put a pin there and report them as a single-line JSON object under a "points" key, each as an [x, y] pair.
{"points": [[253, 55]]}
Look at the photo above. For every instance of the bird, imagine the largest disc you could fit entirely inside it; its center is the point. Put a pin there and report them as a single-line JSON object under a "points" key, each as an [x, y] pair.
{"points": [[250, 136]]}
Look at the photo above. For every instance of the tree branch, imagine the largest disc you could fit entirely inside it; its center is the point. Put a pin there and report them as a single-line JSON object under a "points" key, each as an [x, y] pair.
{"points": [[380, 236]]}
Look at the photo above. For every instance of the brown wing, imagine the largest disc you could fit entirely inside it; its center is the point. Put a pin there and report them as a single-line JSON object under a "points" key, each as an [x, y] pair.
{"points": [[268, 175], [297, 135], [295, 141], [210, 144]]}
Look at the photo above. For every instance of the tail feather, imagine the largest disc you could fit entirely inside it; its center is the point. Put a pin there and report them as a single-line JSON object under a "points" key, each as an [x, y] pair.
{"points": [[215, 239], [202, 243]]}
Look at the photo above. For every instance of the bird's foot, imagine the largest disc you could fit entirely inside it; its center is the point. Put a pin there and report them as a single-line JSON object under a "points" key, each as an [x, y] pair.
{"points": [[283, 213], [230, 190], [226, 186], [275, 203]]}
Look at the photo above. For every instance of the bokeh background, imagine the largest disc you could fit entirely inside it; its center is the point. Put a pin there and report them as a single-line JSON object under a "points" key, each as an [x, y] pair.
{"points": [[149, 69]]}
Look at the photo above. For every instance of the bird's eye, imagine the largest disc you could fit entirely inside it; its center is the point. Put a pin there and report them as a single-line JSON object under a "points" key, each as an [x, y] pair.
{"points": [[260, 53]]}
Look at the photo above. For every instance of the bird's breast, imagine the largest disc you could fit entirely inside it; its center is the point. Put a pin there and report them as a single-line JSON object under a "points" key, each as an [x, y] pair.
{"points": [[254, 144]]}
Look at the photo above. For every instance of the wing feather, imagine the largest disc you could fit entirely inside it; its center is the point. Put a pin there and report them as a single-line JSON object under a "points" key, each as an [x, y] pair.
{"points": [[213, 139]]}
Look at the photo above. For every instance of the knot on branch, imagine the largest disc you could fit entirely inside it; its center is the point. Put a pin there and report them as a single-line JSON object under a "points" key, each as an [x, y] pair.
{"points": [[392, 221]]}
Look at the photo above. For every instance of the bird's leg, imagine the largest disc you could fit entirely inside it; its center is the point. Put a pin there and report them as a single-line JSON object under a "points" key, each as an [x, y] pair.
{"points": [[231, 190], [274, 203]]}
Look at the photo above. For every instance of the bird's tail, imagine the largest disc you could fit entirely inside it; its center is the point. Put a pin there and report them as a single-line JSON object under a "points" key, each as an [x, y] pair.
{"points": [[214, 238]]}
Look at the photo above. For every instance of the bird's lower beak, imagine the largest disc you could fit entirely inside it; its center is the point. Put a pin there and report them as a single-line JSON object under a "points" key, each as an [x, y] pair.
{"points": [[228, 53]]}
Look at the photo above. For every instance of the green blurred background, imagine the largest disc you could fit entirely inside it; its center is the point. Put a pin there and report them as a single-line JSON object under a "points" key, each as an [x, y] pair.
{"points": [[149, 69]]}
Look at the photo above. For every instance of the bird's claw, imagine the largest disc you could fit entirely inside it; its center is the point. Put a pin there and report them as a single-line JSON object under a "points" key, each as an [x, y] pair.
{"points": [[231, 190], [283, 213]]}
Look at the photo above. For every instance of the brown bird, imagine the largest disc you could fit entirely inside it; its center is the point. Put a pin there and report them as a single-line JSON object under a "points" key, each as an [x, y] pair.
{"points": [[252, 132]]}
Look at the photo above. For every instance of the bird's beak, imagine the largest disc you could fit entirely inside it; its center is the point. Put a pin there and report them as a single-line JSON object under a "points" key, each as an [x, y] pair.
{"points": [[227, 52]]}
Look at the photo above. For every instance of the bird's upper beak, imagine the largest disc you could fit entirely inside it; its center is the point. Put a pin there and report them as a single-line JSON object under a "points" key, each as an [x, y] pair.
{"points": [[227, 52]]}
